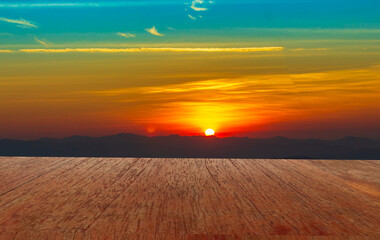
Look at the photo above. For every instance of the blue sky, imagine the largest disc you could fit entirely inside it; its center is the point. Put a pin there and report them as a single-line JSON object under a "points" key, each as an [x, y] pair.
{"points": [[226, 21], [111, 16]]}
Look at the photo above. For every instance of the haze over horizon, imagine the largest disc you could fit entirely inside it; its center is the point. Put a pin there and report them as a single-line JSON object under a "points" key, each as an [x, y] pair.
{"points": [[217, 136], [292, 68]]}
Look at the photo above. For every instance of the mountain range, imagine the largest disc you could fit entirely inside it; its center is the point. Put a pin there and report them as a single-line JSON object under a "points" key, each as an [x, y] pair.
{"points": [[173, 146]]}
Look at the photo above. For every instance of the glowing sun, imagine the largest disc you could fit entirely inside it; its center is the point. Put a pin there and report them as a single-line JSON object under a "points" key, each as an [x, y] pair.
{"points": [[209, 132]]}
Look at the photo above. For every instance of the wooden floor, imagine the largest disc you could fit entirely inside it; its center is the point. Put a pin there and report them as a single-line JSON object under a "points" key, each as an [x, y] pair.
{"points": [[115, 198]]}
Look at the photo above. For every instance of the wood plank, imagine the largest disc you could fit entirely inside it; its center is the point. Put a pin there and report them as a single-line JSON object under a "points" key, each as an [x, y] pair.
{"points": [[130, 198], [17, 171]]}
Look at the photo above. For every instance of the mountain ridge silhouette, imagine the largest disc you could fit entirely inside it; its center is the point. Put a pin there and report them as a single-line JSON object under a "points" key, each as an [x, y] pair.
{"points": [[175, 146]]}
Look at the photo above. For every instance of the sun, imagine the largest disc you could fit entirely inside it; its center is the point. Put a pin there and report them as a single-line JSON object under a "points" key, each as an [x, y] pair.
{"points": [[210, 132]]}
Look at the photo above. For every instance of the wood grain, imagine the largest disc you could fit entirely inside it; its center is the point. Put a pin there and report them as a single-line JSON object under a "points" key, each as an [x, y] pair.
{"points": [[116, 198]]}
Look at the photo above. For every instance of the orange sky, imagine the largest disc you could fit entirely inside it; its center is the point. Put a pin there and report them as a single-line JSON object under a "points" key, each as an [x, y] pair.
{"points": [[258, 94]]}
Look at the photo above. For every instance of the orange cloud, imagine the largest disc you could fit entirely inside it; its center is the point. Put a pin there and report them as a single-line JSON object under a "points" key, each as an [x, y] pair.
{"points": [[136, 50], [251, 100]]}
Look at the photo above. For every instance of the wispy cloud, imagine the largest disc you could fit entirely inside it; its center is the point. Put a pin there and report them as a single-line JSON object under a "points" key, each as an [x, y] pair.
{"points": [[197, 8], [39, 5], [154, 31], [42, 42], [6, 51], [136, 50], [20, 22], [226, 101], [308, 49], [86, 4], [126, 35], [170, 28]]}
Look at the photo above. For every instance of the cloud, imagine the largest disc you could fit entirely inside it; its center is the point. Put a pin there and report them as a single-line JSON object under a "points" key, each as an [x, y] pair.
{"points": [[154, 31], [308, 49], [207, 85], [37, 5], [252, 99], [136, 50], [126, 35], [192, 17], [6, 51], [196, 8], [45, 43], [170, 28], [20, 22], [87, 4]]}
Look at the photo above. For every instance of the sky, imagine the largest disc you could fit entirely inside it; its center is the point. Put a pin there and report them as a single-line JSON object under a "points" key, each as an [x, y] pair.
{"points": [[255, 68]]}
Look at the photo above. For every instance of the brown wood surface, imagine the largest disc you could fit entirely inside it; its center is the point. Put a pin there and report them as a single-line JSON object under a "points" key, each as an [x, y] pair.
{"points": [[126, 198]]}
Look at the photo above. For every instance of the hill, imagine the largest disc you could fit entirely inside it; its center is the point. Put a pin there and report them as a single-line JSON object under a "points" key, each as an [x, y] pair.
{"points": [[130, 145]]}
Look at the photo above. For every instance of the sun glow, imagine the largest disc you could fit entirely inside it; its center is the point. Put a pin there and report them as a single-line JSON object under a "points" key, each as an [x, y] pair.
{"points": [[209, 132]]}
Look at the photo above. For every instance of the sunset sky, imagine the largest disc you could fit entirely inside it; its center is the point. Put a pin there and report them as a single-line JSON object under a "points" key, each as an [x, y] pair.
{"points": [[256, 68]]}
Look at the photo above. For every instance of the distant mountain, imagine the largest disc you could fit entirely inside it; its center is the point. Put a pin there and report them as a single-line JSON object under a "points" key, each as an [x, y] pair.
{"points": [[130, 145]]}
